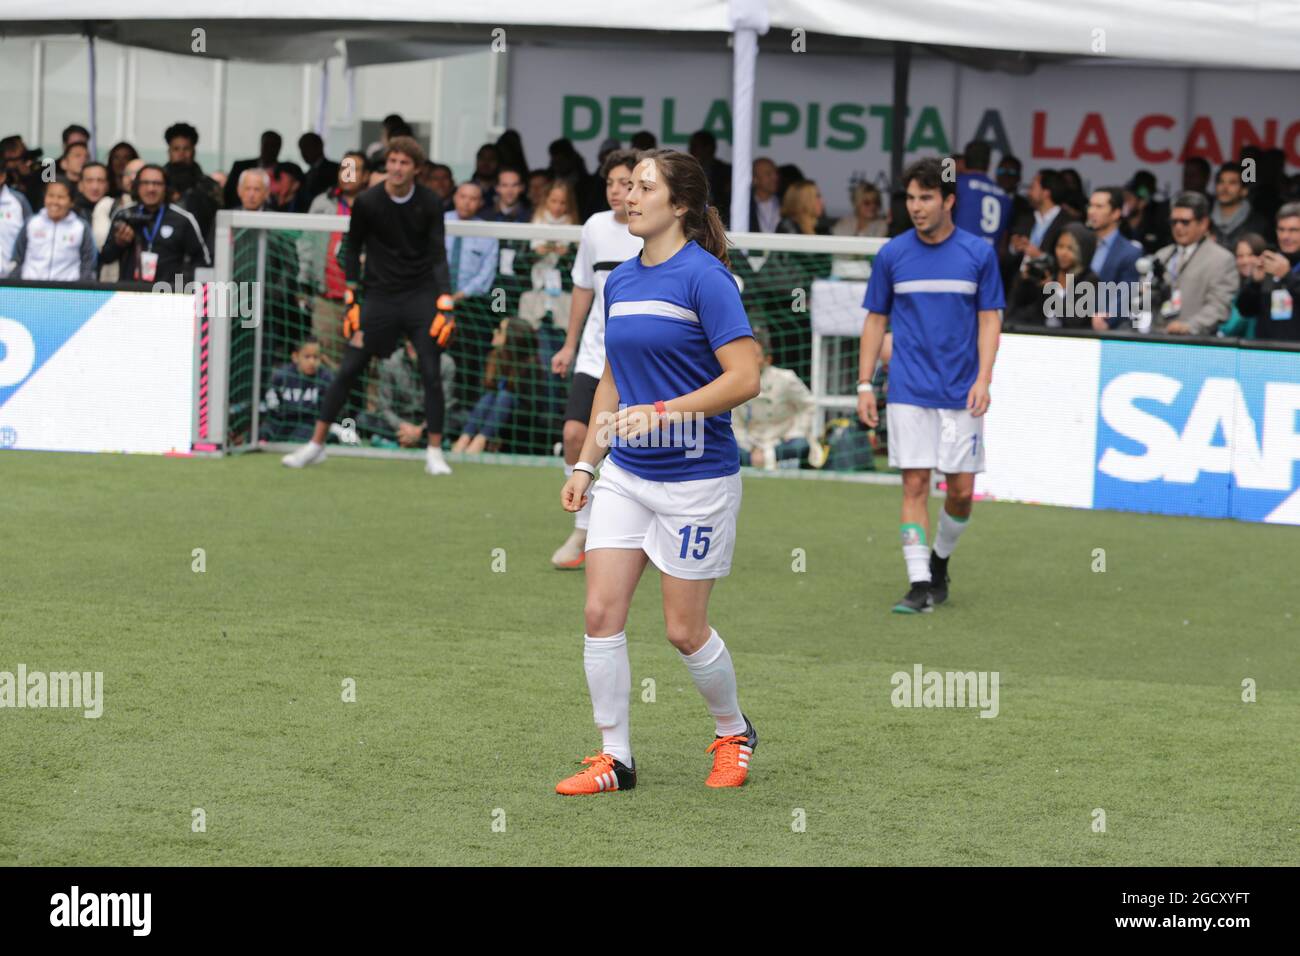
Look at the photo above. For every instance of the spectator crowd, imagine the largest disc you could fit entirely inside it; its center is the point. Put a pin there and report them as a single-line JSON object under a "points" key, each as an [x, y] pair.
{"points": [[1220, 256]]}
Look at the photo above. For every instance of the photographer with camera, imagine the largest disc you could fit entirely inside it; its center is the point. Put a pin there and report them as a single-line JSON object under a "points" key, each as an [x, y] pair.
{"points": [[154, 240], [1059, 291], [1200, 276]]}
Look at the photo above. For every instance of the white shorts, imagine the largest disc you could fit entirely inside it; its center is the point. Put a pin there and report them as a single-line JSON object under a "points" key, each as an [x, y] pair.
{"points": [[688, 528], [949, 439]]}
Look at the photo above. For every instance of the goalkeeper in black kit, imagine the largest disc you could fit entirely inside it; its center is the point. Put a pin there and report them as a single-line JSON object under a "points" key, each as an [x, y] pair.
{"points": [[404, 292]]}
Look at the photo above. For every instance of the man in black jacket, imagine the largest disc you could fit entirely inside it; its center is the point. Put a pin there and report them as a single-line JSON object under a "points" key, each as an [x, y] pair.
{"points": [[154, 240], [1272, 294], [399, 226]]}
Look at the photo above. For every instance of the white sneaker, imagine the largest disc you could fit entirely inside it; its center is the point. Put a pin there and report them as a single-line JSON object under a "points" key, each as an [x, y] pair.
{"points": [[434, 463], [309, 454]]}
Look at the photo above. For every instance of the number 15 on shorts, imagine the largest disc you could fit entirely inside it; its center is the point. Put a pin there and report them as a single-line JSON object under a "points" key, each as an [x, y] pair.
{"points": [[702, 532]]}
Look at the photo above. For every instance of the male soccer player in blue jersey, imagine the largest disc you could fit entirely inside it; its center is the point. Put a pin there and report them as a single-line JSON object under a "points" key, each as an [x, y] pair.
{"points": [[939, 288], [983, 207]]}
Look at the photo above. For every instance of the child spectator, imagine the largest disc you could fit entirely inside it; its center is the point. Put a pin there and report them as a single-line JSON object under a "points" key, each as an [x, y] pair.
{"points": [[292, 403], [511, 382], [55, 245]]}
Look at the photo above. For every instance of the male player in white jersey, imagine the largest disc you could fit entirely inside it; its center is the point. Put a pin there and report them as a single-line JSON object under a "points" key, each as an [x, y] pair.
{"points": [[940, 289], [605, 244]]}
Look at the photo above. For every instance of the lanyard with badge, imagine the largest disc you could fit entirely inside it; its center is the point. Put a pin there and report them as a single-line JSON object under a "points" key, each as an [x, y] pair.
{"points": [[1172, 306], [149, 258], [1281, 306]]}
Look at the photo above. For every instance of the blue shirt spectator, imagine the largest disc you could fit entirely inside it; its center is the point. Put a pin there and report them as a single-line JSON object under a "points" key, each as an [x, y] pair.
{"points": [[472, 260]]}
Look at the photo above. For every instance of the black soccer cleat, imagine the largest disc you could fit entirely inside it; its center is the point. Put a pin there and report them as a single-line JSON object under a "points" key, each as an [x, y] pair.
{"points": [[917, 600], [938, 578]]}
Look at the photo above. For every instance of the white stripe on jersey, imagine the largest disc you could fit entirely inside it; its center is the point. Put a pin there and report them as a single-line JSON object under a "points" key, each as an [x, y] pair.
{"points": [[654, 307], [962, 286]]}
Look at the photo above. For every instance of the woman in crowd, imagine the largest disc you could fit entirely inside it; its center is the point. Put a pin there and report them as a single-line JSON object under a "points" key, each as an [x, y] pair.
{"points": [[55, 244], [511, 381], [802, 209], [867, 218], [1056, 298], [559, 208], [1249, 248], [118, 157]]}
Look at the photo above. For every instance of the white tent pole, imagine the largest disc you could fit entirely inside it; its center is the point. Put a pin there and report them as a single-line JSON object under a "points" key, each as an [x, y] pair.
{"points": [[119, 99], [94, 125], [132, 91], [38, 91], [749, 18], [219, 110], [322, 106], [306, 99]]}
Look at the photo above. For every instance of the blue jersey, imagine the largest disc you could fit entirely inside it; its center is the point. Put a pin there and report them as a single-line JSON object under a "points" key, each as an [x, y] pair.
{"points": [[983, 207], [662, 326], [931, 294]]}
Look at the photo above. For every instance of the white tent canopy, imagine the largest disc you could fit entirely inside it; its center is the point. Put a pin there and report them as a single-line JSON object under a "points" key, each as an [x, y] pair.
{"points": [[1263, 34]]}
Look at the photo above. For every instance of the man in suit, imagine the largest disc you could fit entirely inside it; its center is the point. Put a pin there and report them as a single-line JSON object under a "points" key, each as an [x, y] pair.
{"points": [[321, 173], [1046, 192], [764, 202], [1200, 275], [269, 155], [1115, 261]]}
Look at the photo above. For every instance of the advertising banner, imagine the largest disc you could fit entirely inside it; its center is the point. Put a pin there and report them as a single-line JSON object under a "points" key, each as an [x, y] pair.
{"points": [[1159, 427], [96, 370], [832, 115]]}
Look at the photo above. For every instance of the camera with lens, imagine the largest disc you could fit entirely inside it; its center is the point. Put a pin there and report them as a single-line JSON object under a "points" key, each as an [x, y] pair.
{"points": [[136, 217], [1038, 269]]}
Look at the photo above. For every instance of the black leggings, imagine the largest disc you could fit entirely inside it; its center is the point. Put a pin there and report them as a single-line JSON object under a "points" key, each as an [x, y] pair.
{"points": [[355, 361]]}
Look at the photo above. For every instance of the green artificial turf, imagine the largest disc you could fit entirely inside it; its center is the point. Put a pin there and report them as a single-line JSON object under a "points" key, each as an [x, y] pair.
{"points": [[223, 690]]}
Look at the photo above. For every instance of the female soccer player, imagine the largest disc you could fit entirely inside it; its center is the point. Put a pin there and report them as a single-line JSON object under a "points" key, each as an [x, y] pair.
{"points": [[680, 355]]}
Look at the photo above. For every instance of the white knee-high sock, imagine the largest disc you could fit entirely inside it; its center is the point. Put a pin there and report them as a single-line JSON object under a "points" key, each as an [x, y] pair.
{"points": [[950, 530], [609, 678], [715, 678], [582, 517], [916, 553]]}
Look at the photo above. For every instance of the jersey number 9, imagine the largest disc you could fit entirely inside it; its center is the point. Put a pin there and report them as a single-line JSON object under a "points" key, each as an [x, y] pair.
{"points": [[990, 214]]}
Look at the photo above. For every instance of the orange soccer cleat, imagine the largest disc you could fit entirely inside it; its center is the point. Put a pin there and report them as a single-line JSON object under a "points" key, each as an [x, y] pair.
{"points": [[731, 757], [604, 775]]}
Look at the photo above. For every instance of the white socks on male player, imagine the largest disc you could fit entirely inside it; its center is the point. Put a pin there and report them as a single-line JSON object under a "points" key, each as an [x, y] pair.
{"points": [[715, 679], [916, 553], [609, 678], [950, 530], [582, 517]]}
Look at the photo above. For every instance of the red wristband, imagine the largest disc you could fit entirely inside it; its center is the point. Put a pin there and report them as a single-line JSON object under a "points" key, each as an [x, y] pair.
{"points": [[661, 410]]}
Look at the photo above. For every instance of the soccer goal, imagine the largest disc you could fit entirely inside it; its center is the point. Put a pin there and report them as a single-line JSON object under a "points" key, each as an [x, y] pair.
{"points": [[278, 283]]}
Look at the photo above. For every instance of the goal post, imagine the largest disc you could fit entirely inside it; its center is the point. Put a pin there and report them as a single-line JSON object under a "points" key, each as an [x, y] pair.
{"points": [[277, 282]]}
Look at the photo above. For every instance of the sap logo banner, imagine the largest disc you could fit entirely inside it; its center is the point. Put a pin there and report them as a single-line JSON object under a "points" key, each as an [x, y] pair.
{"points": [[27, 345], [91, 370], [1195, 430]]}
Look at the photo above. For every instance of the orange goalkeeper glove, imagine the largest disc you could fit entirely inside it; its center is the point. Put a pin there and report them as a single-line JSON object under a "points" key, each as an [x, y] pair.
{"points": [[352, 315], [444, 322]]}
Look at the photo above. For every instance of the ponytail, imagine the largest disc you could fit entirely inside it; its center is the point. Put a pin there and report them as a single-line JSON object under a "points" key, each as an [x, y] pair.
{"points": [[709, 234]]}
